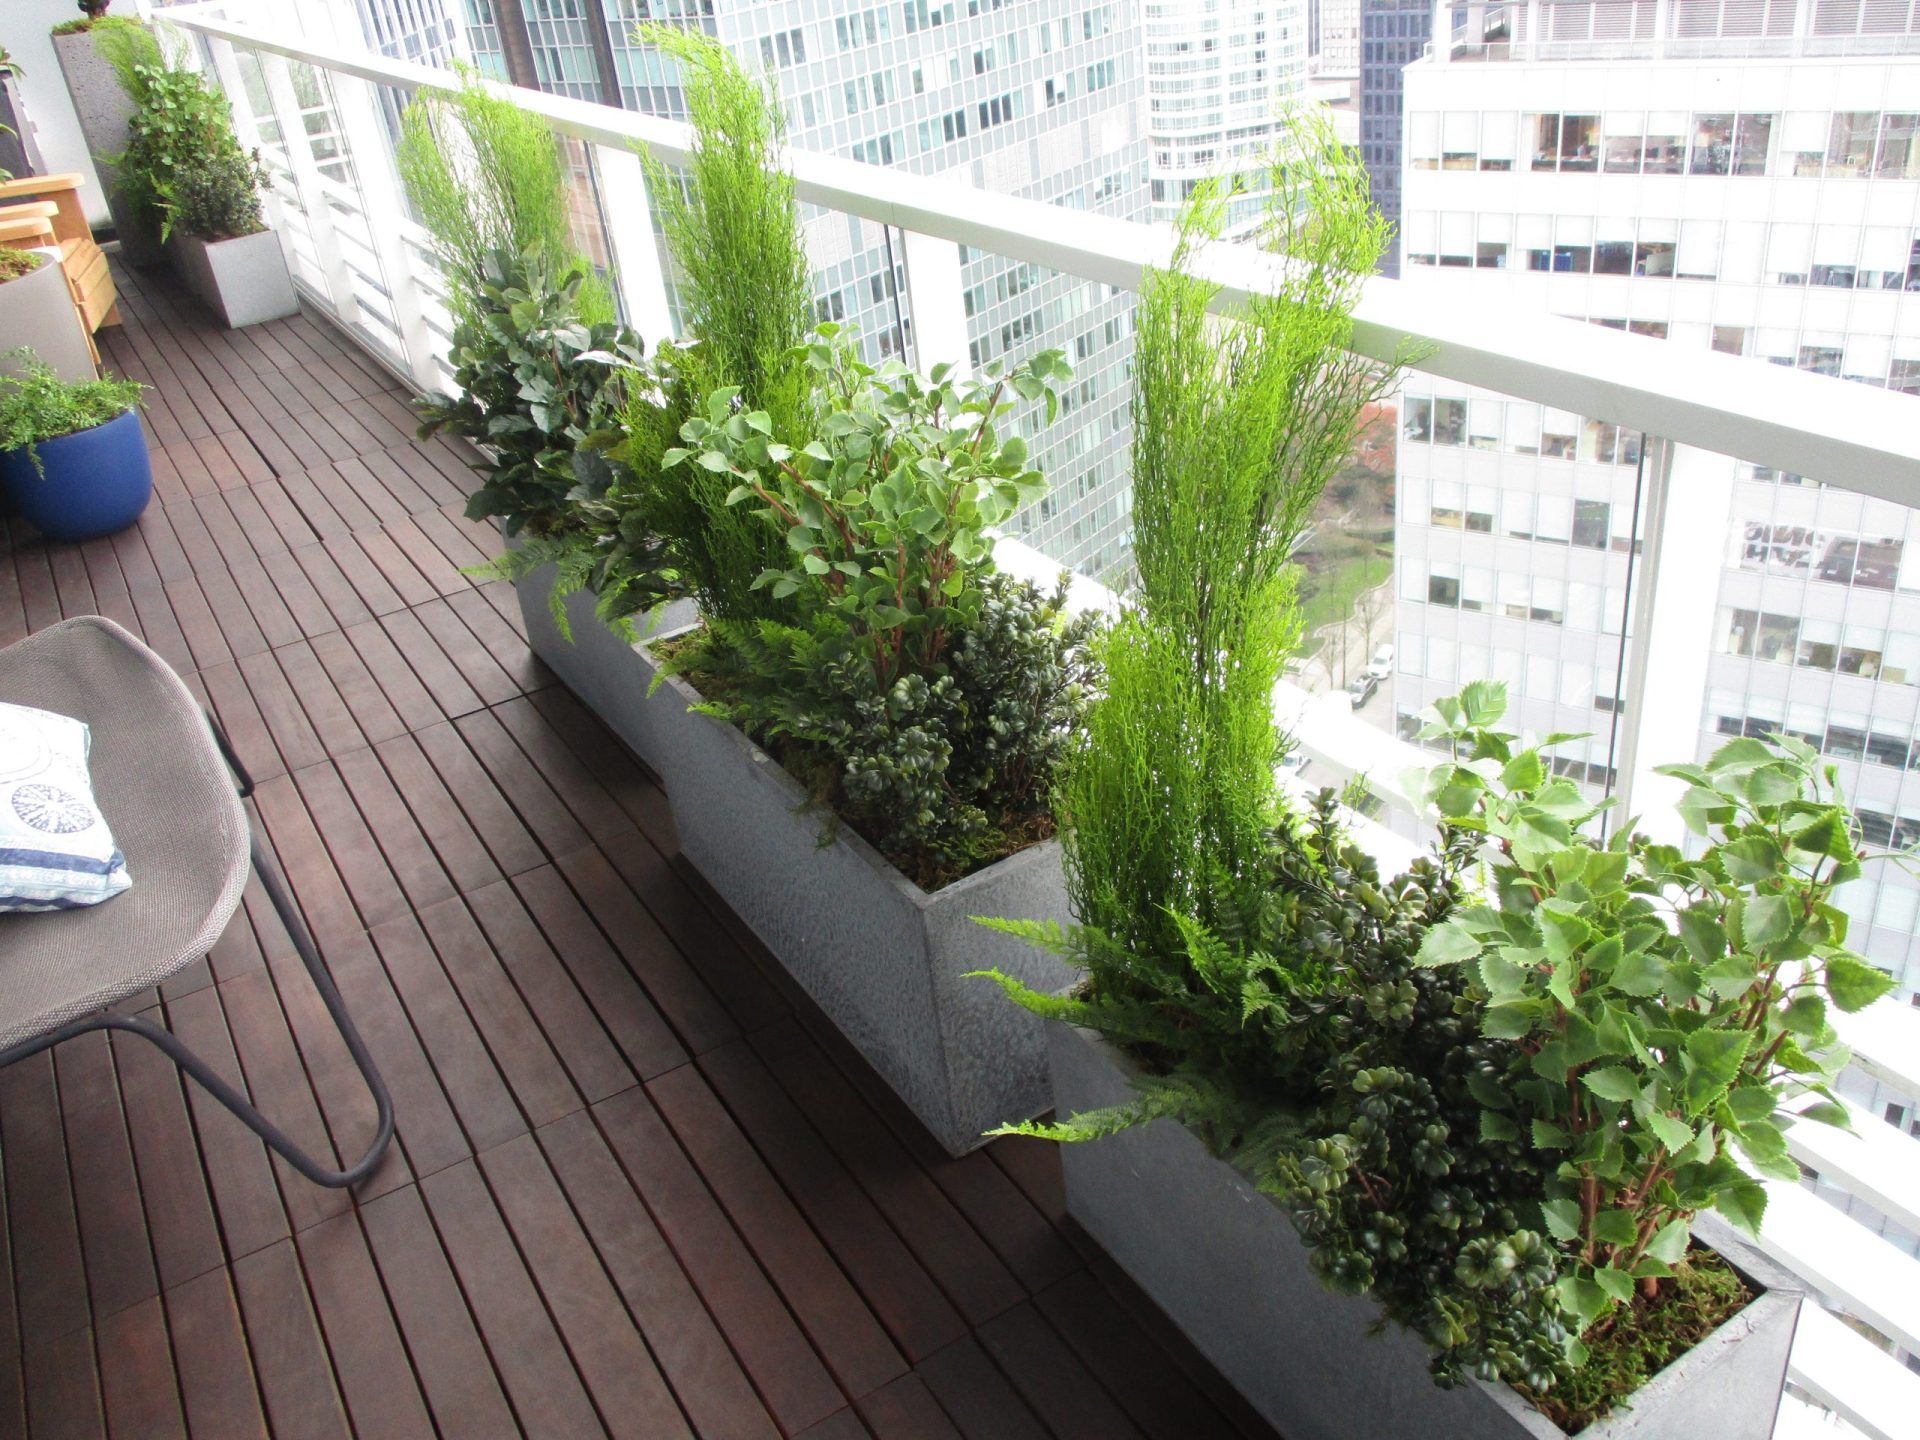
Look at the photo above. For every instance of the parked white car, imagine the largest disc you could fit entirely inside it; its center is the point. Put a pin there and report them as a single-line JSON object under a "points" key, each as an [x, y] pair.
{"points": [[1381, 666]]}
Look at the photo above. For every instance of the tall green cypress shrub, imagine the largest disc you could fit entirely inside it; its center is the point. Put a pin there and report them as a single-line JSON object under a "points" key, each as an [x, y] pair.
{"points": [[491, 184], [1239, 421]]}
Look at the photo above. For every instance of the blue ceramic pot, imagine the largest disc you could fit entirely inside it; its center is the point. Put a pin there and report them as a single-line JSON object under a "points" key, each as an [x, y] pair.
{"points": [[95, 483]]}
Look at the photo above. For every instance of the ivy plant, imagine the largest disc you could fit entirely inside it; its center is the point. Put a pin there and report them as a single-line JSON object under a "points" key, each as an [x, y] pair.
{"points": [[1667, 1002]]}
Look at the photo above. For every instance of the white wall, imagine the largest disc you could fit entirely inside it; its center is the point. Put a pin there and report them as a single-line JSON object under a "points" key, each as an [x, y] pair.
{"points": [[23, 31]]}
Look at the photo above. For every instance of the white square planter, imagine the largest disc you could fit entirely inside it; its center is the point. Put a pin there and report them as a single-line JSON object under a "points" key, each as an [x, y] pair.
{"points": [[1226, 1264], [244, 280], [883, 958], [37, 311]]}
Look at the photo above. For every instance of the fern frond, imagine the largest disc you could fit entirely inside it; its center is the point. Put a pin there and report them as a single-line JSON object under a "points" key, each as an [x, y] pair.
{"points": [[1047, 1007]]}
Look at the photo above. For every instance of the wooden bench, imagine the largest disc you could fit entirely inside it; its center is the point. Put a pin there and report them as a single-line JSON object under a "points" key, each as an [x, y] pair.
{"points": [[54, 217]]}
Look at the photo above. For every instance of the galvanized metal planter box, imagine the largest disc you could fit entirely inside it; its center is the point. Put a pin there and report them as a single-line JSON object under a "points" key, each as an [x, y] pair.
{"points": [[611, 674], [243, 280], [883, 958], [1227, 1266]]}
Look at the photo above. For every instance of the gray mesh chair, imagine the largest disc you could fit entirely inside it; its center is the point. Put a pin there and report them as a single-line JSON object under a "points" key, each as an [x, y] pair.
{"points": [[170, 787]]}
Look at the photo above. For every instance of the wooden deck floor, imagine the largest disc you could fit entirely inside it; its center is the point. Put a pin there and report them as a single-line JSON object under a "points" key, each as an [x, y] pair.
{"points": [[638, 1187]]}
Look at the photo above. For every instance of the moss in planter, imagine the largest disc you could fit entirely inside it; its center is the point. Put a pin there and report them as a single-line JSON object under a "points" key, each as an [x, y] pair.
{"points": [[1631, 1346], [15, 263]]}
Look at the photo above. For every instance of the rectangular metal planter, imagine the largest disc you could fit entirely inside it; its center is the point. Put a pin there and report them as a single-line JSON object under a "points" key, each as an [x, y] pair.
{"points": [[613, 675], [883, 958], [1227, 1266], [243, 280]]}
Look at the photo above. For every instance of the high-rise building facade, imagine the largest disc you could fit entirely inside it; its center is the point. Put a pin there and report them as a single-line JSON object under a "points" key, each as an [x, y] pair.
{"points": [[1220, 77], [1029, 98], [1335, 49], [1736, 178], [1393, 34]]}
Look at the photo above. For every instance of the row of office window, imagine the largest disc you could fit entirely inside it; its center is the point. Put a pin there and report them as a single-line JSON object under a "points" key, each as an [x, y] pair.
{"points": [[1852, 144], [1867, 562], [1519, 427], [1516, 595], [1796, 252], [1831, 646], [1842, 735]]}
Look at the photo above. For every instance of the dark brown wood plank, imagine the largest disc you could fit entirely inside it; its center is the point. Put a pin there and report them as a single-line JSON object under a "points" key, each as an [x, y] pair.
{"points": [[137, 1380], [210, 1351], [49, 1276], [528, 1354], [245, 1194], [906, 1410], [289, 1356], [173, 1188], [448, 1356], [369, 1361], [63, 1388], [785, 1368], [916, 1314], [479, 1096], [837, 1318], [637, 1027], [632, 1398], [565, 1018], [113, 1232]]}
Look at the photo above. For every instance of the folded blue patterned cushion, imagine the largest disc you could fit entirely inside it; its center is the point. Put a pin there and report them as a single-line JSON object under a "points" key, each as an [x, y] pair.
{"points": [[56, 852]]}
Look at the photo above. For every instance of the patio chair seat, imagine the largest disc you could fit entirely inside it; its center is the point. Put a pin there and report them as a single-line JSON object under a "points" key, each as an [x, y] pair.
{"points": [[168, 797], [165, 779]]}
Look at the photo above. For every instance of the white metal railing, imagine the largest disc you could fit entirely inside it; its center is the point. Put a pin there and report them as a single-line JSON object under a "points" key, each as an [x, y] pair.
{"points": [[358, 255]]}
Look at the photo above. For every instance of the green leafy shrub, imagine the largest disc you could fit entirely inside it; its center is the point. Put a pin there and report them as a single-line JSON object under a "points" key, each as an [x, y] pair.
{"points": [[488, 178], [15, 263], [541, 388], [1667, 1004], [923, 696], [38, 405], [183, 168]]}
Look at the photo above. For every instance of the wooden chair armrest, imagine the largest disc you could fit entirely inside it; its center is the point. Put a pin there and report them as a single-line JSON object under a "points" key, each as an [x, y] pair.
{"points": [[44, 209], [40, 184], [37, 230]]}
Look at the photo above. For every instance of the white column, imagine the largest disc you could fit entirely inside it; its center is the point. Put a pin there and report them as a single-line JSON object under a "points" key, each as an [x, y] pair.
{"points": [[370, 150], [1533, 36], [1662, 26], [308, 180], [1676, 593], [935, 297], [1442, 31], [627, 214]]}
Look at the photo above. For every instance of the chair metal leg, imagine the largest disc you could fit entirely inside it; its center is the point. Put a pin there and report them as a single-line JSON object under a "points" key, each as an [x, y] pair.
{"points": [[215, 1085]]}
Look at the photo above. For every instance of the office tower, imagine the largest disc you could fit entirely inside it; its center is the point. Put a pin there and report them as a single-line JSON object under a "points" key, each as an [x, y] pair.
{"points": [[1336, 38], [1392, 34], [1218, 80], [1743, 179], [1026, 98]]}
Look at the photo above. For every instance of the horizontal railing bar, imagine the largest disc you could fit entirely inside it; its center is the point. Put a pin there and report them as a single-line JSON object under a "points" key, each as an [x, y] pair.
{"points": [[1840, 431], [1874, 1161], [1836, 1255], [1848, 1373]]}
